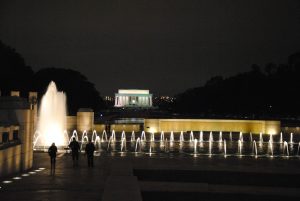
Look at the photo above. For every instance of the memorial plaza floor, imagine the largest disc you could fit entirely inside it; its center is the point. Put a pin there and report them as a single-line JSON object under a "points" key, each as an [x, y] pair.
{"points": [[156, 178]]}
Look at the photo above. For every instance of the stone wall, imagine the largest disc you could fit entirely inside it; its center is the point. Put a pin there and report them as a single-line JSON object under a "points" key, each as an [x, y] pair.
{"points": [[85, 120], [125, 127], [245, 126], [17, 113], [10, 160]]}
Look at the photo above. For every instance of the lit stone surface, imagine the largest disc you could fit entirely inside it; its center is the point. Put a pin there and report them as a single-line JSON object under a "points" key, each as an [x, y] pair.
{"points": [[245, 126]]}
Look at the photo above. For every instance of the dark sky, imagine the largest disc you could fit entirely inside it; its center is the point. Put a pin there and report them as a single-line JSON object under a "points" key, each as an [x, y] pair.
{"points": [[166, 46]]}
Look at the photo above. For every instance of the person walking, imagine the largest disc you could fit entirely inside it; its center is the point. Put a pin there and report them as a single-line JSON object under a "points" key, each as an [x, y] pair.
{"points": [[74, 145], [52, 153], [89, 150]]}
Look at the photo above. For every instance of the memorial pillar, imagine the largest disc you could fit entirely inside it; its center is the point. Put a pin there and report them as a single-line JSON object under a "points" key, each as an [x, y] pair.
{"points": [[116, 101]]}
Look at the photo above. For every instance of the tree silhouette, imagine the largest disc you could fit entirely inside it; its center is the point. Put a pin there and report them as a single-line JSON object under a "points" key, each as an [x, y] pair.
{"points": [[80, 92], [15, 75], [253, 94]]}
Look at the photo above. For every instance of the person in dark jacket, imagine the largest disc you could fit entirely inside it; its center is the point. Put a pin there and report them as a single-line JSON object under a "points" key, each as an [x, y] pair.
{"points": [[89, 150], [74, 145], [52, 153]]}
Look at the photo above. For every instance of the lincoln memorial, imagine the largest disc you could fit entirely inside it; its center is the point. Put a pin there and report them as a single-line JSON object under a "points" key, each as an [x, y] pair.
{"points": [[133, 98]]}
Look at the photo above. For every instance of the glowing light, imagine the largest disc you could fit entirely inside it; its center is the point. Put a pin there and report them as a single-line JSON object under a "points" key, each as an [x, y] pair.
{"points": [[7, 182], [52, 119], [152, 130], [17, 178], [25, 175], [32, 172], [42, 168]]}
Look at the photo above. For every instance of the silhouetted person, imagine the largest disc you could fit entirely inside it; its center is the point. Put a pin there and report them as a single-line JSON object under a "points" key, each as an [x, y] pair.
{"points": [[74, 145], [52, 153], [89, 150]]}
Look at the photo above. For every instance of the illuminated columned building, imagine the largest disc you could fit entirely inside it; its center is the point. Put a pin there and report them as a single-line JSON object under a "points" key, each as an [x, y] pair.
{"points": [[133, 98]]}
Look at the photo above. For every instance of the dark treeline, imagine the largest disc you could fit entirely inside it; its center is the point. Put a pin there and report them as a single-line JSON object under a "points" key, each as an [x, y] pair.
{"points": [[263, 92], [16, 75]]}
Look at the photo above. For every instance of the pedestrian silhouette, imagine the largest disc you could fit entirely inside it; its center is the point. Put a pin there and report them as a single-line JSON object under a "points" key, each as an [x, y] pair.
{"points": [[89, 150], [52, 153], [74, 145]]}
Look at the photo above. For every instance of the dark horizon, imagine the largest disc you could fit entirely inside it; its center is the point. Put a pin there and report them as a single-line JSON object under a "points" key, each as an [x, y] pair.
{"points": [[164, 46]]}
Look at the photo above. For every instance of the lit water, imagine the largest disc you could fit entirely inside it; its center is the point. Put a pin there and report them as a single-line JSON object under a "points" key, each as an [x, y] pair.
{"points": [[52, 119], [185, 143]]}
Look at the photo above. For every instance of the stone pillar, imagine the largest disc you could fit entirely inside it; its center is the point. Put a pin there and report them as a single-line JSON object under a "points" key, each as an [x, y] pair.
{"points": [[150, 101], [116, 100], [26, 132], [121, 101], [85, 120], [33, 106], [127, 100], [143, 101]]}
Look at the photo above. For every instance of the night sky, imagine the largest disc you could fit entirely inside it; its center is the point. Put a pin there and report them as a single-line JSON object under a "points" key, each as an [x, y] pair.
{"points": [[166, 46]]}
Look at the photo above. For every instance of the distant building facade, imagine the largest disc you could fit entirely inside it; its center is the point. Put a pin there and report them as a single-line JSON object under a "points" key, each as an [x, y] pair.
{"points": [[133, 98]]}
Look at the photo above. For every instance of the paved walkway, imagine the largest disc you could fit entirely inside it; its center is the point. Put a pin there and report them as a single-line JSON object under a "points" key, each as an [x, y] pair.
{"points": [[68, 183], [112, 178]]}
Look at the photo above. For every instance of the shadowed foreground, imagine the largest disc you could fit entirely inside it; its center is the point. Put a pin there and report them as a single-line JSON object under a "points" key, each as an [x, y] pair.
{"points": [[157, 178]]}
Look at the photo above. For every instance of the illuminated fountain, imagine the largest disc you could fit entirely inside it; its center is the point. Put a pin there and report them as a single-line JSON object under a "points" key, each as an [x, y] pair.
{"points": [[162, 137], [132, 139], [242, 145], [210, 147], [195, 146], [270, 147], [123, 144], [240, 148], [181, 138], [261, 139], [113, 135], [201, 136], [220, 136], [271, 138], [152, 138], [241, 137], [286, 149], [143, 136], [94, 136], [52, 119], [104, 136], [172, 137], [191, 136], [138, 145], [211, 138], [123, 135], [225, 151]]}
